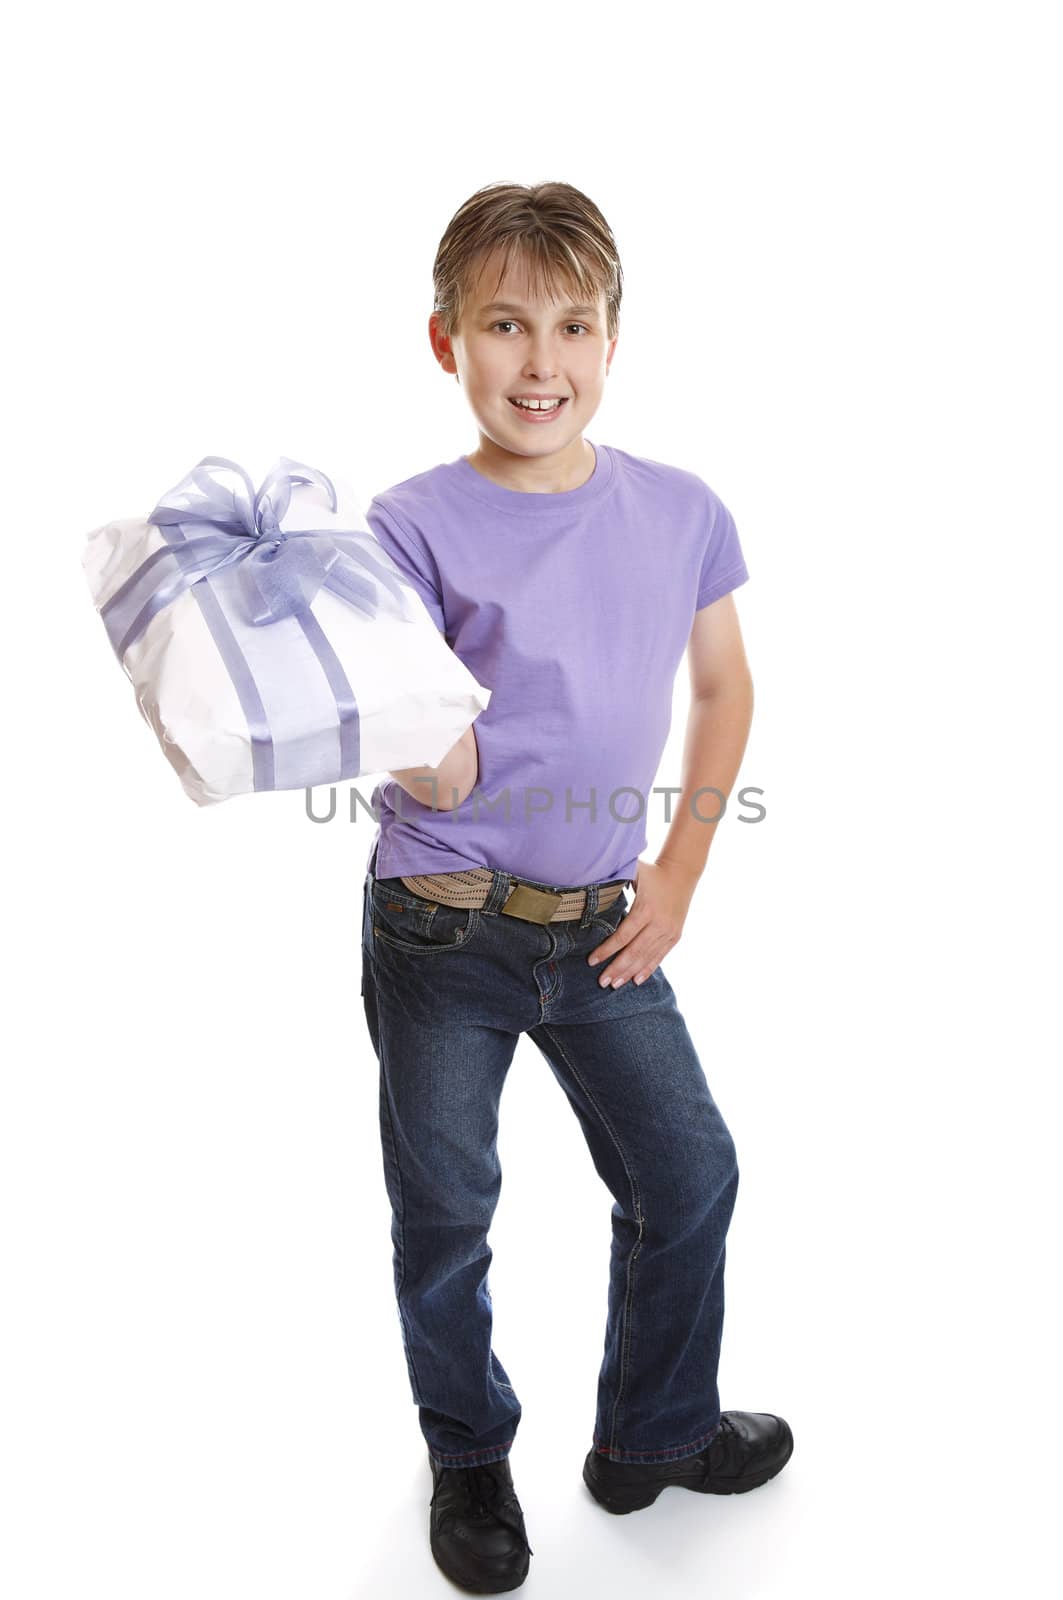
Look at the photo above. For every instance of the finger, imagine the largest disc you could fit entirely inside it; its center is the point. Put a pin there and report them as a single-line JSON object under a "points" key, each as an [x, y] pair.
{"points": [[609, 947], [637, 962], [639, 977], [631, 961], [601, 952], [615, 942]]}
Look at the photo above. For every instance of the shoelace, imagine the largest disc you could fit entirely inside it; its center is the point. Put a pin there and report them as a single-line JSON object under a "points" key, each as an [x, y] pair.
{"points": [[487, 1493]]}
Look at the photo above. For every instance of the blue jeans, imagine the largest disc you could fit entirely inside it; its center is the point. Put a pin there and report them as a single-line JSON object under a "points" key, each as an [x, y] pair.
{"points": [[447, 994]]}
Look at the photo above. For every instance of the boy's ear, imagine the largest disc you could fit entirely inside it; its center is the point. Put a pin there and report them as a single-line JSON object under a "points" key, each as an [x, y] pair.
{"points": [[440, 343]]}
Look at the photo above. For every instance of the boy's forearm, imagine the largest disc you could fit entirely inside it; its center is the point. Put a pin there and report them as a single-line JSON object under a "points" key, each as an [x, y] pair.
{"points": [[716, 736], [436, 786]]}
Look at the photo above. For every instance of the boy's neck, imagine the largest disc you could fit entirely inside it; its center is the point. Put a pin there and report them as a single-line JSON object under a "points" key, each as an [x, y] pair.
{"points": [[569, 468]]}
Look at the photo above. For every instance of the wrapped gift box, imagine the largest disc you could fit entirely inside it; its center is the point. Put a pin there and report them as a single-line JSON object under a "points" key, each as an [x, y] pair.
{"points": [[270, 639]]}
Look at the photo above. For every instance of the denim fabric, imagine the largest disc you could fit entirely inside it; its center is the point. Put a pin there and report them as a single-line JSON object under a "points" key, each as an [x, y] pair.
{"points": [[447, 993]]}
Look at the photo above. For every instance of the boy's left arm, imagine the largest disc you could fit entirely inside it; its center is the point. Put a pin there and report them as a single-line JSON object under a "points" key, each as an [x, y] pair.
{"points": [[721, 711]]}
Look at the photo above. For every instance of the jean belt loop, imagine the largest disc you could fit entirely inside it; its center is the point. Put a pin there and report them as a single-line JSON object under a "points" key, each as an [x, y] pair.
{"points": [[590, 909], [498, 893]]}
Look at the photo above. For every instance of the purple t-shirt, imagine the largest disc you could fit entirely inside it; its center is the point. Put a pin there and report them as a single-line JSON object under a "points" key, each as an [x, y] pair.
{"points": [[575, 610]]}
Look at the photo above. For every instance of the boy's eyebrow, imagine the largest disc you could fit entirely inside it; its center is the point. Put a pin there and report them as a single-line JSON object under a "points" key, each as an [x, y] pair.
{"points": [[570, 311]]}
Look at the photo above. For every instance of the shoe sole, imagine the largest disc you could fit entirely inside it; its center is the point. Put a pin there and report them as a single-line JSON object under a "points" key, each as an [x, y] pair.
{"points": [[621, 1499]]}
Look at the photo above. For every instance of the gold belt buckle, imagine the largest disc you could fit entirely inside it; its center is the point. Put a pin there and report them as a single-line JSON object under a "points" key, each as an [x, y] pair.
{"points": [[533, 905]]}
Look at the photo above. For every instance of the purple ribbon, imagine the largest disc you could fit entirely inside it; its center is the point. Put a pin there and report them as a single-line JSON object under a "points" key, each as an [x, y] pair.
{"points": [[277, 572]]}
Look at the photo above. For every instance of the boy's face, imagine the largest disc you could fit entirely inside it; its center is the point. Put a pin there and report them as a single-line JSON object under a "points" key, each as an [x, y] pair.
{"points": [[509, 344]]}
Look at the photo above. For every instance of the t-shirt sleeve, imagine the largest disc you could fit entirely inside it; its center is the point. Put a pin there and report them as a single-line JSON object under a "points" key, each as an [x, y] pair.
{"points": [[412, 557], [723, 566]]}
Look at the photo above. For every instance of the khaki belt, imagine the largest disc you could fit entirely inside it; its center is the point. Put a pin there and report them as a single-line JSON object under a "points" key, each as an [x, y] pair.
{"points": [[471, 888]]}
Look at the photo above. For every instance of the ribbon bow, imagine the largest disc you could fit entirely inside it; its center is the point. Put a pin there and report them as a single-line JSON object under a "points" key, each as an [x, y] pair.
{"points": [[279, 570]]}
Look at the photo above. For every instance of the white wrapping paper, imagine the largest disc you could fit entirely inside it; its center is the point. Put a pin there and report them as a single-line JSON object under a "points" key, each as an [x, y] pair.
{"points": [[414, 696]]}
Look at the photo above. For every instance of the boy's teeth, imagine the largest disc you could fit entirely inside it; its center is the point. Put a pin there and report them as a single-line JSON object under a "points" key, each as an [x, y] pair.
{"points": [[538, 405]]}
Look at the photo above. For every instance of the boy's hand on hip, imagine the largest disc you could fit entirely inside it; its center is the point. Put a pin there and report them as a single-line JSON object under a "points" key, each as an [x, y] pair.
{"points": [[652, 926]]}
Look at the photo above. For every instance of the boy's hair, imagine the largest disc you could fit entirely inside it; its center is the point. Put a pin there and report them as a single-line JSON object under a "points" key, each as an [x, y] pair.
{"points": [[555, 230]]}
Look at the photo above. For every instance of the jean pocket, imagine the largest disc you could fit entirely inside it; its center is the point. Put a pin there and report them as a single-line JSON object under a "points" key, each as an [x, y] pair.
{"points": [[611, 918], [419, 927]]}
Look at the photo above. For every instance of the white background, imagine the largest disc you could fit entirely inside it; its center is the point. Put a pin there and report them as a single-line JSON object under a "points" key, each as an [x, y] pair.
{"points": [[838, 231]]}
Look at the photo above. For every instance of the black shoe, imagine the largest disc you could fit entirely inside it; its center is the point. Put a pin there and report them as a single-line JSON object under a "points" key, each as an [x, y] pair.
{"points": [[478, 1536], [750, 1448]]}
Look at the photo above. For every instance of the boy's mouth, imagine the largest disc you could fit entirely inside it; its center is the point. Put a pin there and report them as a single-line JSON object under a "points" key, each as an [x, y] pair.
{"points": [[541, 412]]}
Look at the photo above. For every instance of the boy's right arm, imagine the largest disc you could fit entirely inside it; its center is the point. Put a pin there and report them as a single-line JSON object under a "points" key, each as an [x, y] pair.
{"points": [[435, 786], [459, 768]]}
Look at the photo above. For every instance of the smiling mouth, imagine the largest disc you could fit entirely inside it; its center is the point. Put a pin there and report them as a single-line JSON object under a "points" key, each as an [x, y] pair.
{"points": [[538, 410]]}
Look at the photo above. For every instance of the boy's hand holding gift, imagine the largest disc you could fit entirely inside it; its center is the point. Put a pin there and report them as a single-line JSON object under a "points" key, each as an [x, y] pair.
{"points": [[271, 640]]}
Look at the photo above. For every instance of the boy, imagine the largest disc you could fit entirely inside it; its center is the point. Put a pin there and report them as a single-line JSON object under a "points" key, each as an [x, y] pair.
{"points": [[569, 577]]}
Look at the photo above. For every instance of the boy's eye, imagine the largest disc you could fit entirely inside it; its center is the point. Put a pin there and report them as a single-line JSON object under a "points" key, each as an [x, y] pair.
{"points": [[508, 324]]}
